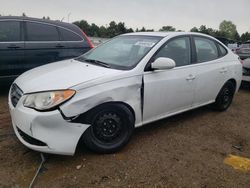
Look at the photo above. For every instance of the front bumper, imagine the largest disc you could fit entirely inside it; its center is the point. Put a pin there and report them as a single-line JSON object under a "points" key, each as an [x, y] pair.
{"points": [[46, 132]]}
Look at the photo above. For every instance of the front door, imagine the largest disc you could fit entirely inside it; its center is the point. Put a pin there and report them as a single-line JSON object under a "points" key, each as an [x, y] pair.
{"points": [[170, 91]]}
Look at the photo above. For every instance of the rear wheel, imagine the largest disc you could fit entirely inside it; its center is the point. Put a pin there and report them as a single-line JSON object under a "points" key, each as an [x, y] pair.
{"points": [[111, 127], [225, 97]]}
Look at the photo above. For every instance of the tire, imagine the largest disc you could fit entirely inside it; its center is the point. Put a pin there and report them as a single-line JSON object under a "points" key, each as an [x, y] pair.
{"points": [[111, 128], [225, 97]]}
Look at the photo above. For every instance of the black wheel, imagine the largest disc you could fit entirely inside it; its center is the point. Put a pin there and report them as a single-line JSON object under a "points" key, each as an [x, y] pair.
{"points": [[225, 97], [111, 128]]}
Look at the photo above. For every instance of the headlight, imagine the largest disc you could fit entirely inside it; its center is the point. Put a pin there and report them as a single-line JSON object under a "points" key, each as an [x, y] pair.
{"points": [[47, 100]]}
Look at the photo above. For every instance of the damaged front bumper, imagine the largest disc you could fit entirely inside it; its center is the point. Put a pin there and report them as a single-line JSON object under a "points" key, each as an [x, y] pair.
{"points": [[46, 132]]}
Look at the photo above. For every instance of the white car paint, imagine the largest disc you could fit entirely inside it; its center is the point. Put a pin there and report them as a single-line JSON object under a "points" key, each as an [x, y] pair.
{"points": [[70, 71], [165, 93], [246, 66]]}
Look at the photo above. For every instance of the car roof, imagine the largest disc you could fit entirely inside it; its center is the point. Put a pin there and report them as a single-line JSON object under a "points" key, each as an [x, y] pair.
{"points": [[165, 34], [173, 34], [57, 23]]}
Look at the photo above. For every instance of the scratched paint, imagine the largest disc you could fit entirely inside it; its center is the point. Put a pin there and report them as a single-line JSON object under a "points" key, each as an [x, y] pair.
{"points": [[238, 163]]}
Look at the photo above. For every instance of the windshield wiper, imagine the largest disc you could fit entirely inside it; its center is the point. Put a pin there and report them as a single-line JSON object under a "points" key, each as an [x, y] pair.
{"points": [[97, 62]]}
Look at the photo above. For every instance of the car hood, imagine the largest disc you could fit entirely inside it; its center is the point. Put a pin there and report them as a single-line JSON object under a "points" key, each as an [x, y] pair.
{"points": [[62, 75], [246, 63]]}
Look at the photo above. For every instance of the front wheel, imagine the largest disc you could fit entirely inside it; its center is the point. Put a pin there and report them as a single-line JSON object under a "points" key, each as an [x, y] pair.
{"points": [[111, 128], [225, 97]]}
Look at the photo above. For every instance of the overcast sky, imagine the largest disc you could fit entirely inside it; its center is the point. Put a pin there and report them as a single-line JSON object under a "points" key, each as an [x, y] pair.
{"points": [[182, 14]]}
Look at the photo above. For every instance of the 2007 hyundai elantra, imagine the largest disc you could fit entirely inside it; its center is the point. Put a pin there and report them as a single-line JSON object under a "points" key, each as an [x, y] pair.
{"points": [[131, 80]]}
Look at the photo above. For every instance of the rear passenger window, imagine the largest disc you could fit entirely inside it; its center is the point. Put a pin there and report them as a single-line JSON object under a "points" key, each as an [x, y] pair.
{"points": [[69, 35], [10, 31], [177, 49], [41, 32], [223, 51], [206, 49]]}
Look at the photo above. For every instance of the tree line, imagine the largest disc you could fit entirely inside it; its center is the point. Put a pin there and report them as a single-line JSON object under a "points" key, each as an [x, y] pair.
{"points": [[227, 29]]}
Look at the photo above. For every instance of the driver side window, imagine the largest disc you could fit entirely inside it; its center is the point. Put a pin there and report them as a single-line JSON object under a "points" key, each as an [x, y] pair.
{"points": [[177, 49]]}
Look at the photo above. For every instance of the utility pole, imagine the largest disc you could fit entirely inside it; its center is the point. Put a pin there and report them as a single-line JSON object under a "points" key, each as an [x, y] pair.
{"points": [[69, 16]]}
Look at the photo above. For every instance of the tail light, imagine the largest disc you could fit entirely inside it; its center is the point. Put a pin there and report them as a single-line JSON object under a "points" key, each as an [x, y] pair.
{"points": [[241, 61], [90, 44]]}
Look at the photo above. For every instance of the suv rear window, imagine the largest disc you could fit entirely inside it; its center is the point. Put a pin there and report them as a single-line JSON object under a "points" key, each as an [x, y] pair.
{"points": [[9, 31], [41, 32], [67, 35]]}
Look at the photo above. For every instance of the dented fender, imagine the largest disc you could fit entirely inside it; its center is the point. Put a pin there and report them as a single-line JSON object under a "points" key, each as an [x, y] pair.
{"points": [[126, 90]]}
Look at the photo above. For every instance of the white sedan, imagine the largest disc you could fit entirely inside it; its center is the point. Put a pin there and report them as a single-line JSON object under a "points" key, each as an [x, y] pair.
{"points": [[129, 81]]}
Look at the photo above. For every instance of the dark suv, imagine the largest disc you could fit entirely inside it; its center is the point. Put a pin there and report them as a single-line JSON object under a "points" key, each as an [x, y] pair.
{"points": [[26, 43]]}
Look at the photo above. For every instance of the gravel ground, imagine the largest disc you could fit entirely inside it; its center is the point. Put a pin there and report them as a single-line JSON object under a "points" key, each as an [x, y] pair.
{"points": [[186, 150]]}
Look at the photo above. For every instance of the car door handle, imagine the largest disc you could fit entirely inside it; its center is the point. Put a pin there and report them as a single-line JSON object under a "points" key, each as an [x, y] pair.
{"points": [[13, 47], [59, 46], [190, 77], [223, 70]]}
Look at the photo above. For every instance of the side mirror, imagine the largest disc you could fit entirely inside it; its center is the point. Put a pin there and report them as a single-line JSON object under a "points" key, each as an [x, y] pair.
{"points": [[162, 63]]}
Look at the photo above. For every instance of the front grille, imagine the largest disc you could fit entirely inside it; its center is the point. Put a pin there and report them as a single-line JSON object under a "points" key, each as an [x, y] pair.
{"points": [[246, 71], [30, 139], [15, 94]]}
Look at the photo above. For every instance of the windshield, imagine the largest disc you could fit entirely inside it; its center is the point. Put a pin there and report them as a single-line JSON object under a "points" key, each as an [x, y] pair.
{"points": [[123, 52]]}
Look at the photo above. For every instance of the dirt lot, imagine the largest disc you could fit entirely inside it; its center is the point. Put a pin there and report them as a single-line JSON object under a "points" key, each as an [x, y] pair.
{"points": [[183, 151]]}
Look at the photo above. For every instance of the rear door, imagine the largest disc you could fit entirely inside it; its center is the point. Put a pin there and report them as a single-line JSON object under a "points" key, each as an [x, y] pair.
{"points": [[211, 69], [11, 48], [72, 44], [42, 44]]}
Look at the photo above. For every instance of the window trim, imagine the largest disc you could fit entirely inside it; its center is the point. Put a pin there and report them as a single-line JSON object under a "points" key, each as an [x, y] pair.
{"points": [[35, 41], [216, 44], [21, 36], [57, 27], [61, 36], [151, 60], [23, 22]]}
